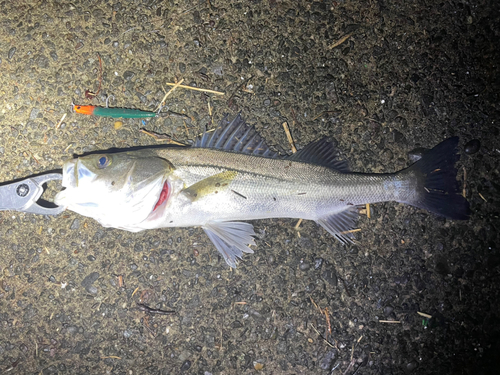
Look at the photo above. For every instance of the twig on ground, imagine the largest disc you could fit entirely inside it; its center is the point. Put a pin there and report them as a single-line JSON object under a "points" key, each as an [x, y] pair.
{"points": [[60, 121], [424, 315], [195, 88], [161, 137], [89, 94], [289, 137], [320, 335], [340, 41], [162, 103]]}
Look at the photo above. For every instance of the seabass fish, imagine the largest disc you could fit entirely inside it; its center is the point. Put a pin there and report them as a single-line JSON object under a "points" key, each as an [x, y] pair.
{"points": [[231, 175]]}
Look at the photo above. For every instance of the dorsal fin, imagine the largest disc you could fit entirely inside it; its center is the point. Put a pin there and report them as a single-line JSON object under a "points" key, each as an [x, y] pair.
{"points": [[321, 152], [235, 136]]}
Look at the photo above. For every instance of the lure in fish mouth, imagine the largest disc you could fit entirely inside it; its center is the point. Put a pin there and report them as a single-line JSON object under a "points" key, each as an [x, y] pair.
{"points": [[230, 175]]}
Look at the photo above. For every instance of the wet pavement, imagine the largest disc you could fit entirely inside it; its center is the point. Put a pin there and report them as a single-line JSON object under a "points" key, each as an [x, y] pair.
{"points": [[418, 294]]}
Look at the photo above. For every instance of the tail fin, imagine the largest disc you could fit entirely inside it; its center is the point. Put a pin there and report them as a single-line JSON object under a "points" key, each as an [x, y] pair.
{"points": [[437, 187]]}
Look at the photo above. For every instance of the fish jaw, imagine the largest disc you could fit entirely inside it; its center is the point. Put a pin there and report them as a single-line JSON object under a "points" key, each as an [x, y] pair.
{"points": [[72, 174], [70, 179]]}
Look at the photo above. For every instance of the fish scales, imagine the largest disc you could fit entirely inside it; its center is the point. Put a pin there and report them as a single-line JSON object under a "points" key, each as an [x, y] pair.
{"points": [[275, 187]]}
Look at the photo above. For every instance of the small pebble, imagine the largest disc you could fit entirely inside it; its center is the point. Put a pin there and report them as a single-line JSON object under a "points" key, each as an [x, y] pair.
{"points": [[75, 224], [186, 365], [72, 330], [304, 266], [92, 289], [310, 288], [388, 310], [89, 280], [330, 275], [11, 53], [410, 367], [318, 262], [34, 113], [258, 366], [127, 333], [118, 125], [128, 75], [472, 146]]}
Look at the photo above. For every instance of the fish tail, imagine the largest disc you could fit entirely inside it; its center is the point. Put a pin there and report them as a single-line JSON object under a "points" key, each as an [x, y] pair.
{"points": [[437, 188]]}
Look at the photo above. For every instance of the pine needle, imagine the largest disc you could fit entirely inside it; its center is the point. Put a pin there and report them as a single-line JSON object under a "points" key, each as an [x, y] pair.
{"points": [[195, 88]]}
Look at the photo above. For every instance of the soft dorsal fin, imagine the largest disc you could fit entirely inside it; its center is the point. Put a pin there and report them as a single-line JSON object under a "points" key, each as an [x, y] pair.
{"points": [[321, 152], [235, 136]]}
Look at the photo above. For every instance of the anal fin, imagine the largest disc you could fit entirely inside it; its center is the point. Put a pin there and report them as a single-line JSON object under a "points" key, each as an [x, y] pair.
{"points": [[340, 224], [231, 238]]}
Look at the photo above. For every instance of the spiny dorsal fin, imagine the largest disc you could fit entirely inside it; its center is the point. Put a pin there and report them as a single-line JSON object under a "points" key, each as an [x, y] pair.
{"points": [[235, 136], [321, 152]]}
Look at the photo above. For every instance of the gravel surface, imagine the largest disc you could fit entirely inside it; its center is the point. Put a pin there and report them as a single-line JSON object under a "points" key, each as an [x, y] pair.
{"points": [[383, 79]]}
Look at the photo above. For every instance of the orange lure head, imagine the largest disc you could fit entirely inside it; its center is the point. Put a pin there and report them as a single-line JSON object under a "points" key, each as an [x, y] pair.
{"points": [[84, 109]]}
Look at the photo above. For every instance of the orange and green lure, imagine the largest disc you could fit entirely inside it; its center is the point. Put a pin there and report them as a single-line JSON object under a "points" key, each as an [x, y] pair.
{"points": [[112, 112]]}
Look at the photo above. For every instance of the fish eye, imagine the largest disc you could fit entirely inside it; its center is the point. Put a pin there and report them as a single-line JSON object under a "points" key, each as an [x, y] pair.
{"points": [[103, 162]]}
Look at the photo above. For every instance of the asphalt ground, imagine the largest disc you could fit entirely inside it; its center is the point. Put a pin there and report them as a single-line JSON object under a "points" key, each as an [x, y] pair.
{"points": [[380, 78]]}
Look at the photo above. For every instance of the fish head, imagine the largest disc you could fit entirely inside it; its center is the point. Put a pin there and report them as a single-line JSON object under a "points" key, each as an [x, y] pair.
{"points": [[118, 190]]}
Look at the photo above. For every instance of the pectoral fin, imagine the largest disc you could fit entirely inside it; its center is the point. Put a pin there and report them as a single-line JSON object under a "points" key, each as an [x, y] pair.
{"points": [[231, 238], [210, 185]]}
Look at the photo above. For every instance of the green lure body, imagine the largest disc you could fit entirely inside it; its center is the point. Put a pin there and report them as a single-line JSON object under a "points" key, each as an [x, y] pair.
{"points": [[122, 113]]}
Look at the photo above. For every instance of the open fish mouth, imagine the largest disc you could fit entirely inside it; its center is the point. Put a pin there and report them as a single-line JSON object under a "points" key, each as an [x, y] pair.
{"points": [[164, 195]]}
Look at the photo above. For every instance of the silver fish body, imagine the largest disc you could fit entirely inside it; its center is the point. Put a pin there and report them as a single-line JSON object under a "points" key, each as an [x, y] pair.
{"points": [[268, 188], [231, 175]]}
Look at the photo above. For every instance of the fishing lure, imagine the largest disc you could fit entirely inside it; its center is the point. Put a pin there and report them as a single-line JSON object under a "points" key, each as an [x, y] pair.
{"points": [[112, 112]]}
